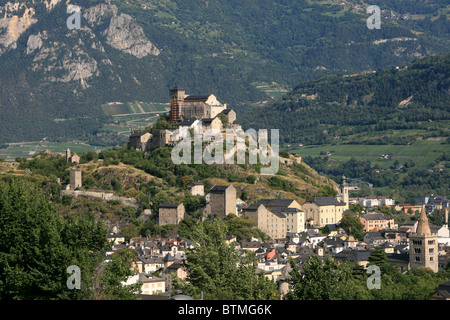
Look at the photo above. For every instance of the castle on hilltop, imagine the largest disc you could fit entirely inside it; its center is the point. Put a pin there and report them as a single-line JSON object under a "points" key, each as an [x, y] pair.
{"points": [[196, 113], [186, 106]]}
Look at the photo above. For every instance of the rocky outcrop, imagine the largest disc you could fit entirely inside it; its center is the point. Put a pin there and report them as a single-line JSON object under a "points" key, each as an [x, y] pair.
{"points": [[126, 35], [123, 32], [64, 61], [15, 19]]}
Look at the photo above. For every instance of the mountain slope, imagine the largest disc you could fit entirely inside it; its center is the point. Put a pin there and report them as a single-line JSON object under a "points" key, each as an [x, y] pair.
{"points": [[54, 79], [363, 109]]}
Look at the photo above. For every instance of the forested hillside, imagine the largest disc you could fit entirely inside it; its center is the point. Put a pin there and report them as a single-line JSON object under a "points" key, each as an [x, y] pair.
{"points": [[54, 79], [362, 109]]}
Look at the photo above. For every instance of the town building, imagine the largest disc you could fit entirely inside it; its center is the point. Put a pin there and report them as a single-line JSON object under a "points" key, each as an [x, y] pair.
{"points": [[377, 221], [291, 209], [196, 188], [324, 210], [272, 223]]}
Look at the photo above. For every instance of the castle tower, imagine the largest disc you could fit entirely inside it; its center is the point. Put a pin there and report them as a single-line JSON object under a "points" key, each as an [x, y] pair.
{"points": [[176, 97], [223, 200], [68, 154], [75, 178], [423, 245], [343, 191]]}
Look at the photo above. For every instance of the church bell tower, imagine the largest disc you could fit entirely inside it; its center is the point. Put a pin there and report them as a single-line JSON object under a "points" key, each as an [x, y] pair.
{"points": [[423, 245]]}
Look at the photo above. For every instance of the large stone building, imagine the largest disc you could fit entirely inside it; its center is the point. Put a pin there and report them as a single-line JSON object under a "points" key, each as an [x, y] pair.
{"points": [[423, 245], [272, 223], [170, 213], [291, 209], [223, 200], [186, 106], [324, 210]]}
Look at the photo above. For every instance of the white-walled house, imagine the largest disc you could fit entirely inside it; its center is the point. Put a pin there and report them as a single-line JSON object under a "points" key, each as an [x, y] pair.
{"points": [[151, 285]]}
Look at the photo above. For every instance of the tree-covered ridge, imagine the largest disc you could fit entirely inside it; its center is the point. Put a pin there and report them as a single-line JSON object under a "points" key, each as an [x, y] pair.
{"points": [[220, 47], [397, 98]]}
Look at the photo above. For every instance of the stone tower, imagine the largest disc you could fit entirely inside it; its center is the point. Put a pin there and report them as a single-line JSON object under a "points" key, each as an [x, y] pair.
{"points": [[75, 178], [223, 200], [68, 155], [170, 213], [177, 95], [423, 245], [343, 191]]}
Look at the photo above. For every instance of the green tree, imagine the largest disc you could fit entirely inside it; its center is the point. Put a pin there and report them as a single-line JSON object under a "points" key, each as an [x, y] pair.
{"points": [[320, 280], [352, 225], [326, 191], [119, 269], [219, 271], [38, 245], [378, 258]]}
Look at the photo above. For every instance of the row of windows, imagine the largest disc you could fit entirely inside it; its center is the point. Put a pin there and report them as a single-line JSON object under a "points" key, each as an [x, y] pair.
{"points": [[331, 210], [418, 259], [418, 250], [419, 242]]}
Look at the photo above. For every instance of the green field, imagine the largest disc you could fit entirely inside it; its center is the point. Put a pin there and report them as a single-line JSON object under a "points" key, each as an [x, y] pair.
{"points": [[29, 149], [136, 107], [421, 152], [126, 116], [273, 89]]}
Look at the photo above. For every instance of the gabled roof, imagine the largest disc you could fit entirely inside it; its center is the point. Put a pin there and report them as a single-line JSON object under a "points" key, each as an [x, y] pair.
{"points": [[207, 120], [201, 98], [219, 189], [186, 123], [354, 255], [138, 134], [196, 183], [376, 216], [327, 201], [226, 111], [278, 213], [169, 205], [252, 207], [279, 203]]}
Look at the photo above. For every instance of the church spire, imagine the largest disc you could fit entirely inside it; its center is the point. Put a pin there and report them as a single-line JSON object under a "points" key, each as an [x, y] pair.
{"points": [[423, 227]]}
